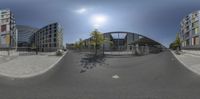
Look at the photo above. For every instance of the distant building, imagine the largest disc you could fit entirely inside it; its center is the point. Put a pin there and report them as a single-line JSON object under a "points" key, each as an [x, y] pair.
{"points": [[123, 41], [49, 38], [69, 46], [25, 34], [190, 31], [8, 30]]}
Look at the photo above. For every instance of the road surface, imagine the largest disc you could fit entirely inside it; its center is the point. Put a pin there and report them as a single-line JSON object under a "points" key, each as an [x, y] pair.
{"points": [[155, 76]]}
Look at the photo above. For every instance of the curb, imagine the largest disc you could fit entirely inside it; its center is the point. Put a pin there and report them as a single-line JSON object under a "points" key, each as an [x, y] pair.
{"points": [[40, 73], [188, 67]]}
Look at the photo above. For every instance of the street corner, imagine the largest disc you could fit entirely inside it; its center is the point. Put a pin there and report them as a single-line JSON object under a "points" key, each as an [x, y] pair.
{"points": [[29, 67]]}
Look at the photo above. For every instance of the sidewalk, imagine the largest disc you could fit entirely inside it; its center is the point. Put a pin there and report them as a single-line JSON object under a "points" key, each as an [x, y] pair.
{"points": [[27, 66], [190, 61]]}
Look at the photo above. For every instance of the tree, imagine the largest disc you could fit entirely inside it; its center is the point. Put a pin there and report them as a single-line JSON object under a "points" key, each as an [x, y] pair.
{"points": [[76, 45], [80, 43], [97, 39], [172, 46], [176, 44]]}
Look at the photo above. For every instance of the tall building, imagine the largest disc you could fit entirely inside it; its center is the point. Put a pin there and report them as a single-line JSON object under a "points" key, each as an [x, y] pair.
{"points": [[190, 31], [49, 38], [8, 30], [25, 35]]}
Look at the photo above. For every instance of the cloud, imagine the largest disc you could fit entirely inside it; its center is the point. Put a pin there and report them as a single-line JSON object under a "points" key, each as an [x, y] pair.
{"points": [[81, 11]]}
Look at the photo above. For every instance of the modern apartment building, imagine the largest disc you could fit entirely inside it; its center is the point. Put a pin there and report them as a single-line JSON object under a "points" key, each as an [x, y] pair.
{"points": [[190, 31], [25, 34], [49, 38], [8, 30]]}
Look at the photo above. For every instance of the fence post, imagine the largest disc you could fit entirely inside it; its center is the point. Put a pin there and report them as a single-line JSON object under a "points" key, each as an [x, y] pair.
{"points": [[9, 51], [36, 50]]}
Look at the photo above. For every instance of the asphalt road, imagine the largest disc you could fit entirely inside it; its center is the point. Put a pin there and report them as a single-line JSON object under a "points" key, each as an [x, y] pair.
{"points": [[155, 76]]}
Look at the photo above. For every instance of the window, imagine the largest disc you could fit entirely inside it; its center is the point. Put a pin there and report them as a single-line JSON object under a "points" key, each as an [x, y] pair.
{"points": [[3, 12], [195, 30], [196, 14], [187, 34], [55, 30], [2, 16], [3, 28], [55, 27], [187, 23], [183, 44], [187, 18], [195, 24], [54, 39], [187, 28], [195, 40], [187, 42]]}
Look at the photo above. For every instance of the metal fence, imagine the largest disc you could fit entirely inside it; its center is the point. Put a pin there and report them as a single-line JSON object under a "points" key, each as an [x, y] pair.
{"points": [[17, 51], [23, 51], [140, 50]]}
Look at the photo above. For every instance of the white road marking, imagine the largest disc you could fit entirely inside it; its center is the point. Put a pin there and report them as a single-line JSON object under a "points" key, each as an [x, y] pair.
{"points": [[115, 77]]}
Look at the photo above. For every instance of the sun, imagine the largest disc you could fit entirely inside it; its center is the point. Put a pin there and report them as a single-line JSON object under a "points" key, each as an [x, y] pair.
{"points": [[98, 20]]}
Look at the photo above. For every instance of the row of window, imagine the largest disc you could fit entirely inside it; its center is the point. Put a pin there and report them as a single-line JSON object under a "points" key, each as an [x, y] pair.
{"points": [[187, 28], [48, 40], [5, 11], [195, 41], [5, 27], [5, 16], [47, 31], [46, 36], [194, 31], [51, 25], [48, 45], [6, 20], [194, 15]]}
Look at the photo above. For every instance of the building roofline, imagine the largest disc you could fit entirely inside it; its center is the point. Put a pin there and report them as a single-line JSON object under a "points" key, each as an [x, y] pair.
{"points": [[189, 14], [130, 33]]}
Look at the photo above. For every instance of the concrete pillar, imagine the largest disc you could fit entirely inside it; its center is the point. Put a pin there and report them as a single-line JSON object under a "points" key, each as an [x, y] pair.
{"points": [[137, 50], [146, 49]]}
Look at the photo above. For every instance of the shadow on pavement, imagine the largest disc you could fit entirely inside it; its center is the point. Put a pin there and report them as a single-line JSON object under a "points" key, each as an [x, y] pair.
{"points": [[89, 61]]}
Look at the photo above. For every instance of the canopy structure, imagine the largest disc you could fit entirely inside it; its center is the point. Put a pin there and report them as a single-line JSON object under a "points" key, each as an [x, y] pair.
{"points": [[118, 35], [145, 41]]}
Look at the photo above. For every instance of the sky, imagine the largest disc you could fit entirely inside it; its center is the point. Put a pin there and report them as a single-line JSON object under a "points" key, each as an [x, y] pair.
{"points": [[156, 19]]}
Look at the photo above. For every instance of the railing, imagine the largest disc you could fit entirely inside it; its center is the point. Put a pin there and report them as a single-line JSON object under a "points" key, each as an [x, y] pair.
{"points": [[17, 51], [24, 51], [141, 50]]}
